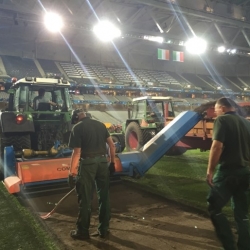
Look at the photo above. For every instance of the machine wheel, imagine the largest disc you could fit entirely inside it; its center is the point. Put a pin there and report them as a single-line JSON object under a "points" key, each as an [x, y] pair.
{"points": [[133, 137], [176, 151]]}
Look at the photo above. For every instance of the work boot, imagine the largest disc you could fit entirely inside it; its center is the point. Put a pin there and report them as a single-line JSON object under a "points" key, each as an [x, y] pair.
{"points": [[75, 234], [100, 234]]}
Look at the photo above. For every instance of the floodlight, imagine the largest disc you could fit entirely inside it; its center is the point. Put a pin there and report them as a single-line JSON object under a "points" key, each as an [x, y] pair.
{"points": [[196, 45], [233, 51], [53, 22], [158, 39], [106, 31], [221, 49]]}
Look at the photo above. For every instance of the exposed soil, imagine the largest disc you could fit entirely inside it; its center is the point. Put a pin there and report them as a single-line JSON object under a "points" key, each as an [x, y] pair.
{"points": [[139, 221]]}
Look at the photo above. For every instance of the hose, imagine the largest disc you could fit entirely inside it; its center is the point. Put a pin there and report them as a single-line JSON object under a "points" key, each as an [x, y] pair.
{"points": [[46, 216]]}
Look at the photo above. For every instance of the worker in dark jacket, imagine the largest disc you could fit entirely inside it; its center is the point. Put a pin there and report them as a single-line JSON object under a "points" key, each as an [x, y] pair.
{"points": [[88, 139], [231, 151]]}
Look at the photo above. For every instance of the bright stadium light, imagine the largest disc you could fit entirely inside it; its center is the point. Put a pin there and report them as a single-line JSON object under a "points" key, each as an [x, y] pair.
{"points": [[53, 22], [196, 45], [221, 49], [158, 39], [233, 51], [106, 31]]}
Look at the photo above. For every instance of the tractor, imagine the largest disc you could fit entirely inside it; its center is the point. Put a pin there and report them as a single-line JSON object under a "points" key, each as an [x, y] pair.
{"points": [[148, 115], [24, 126]]}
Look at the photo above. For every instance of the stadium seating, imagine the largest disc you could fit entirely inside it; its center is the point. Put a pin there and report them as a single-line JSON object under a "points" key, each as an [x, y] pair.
{"points": [[49, 67], [20, 67], [70, 70], [237, 81], [124, 76], [245, 79], [197, 82], [226, 84]]}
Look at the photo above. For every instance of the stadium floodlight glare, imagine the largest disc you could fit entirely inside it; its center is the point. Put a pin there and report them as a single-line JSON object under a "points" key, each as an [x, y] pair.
{"points": [[106, 31], [233, 51], [221, 49], [158, 39], [196, 45], [53, 22]]}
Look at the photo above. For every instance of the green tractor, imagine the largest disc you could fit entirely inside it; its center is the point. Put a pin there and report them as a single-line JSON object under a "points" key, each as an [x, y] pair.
{"points": [[26, 125], [148, 115]]}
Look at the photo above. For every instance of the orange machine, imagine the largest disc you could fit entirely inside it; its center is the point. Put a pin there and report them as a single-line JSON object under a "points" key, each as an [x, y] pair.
{"points": [[37, 172]]}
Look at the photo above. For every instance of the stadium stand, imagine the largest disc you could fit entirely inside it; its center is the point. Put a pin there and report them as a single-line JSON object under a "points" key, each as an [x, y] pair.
{"points": [[77, 98], [20, 67], [70, 70], [101, 72], [49, 67], [178, 78], [124, 76], [85, 71], [164, 79], [145, 76], [225, 83], [197, 82], [89, 97], [108, 98], [123, 98], [209, 80], [245, 79]]}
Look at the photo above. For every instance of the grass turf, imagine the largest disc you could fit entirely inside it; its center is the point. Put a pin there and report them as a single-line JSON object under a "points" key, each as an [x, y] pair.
{"points": [[19, 229], [180, 178]]}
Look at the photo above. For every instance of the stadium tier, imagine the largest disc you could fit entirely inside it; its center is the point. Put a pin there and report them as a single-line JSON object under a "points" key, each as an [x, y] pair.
{"points": [[20, 67], [109, 85]]}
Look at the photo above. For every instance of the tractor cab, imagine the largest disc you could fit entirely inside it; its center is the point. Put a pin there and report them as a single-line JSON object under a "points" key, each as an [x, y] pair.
{"points": [[151, 109], [148, 115], [39, 94], [41, 118]]}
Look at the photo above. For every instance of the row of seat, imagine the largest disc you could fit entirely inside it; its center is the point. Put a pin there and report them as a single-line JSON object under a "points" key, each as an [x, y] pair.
{"points": [[21, 67]]}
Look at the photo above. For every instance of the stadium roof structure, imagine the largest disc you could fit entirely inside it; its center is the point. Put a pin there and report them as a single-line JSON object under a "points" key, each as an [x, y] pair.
{"points": [[219, 22]]}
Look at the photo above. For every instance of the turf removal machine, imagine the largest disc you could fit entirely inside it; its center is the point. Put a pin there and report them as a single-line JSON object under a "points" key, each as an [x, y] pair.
{"points": [[34, 169]]}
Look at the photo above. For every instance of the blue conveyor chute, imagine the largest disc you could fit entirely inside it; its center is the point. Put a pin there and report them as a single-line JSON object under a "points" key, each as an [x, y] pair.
{"points": [[139, 162]]}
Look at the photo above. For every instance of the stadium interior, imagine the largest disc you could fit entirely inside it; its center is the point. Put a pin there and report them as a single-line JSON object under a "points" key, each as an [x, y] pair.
{"points": [[106, 76]]}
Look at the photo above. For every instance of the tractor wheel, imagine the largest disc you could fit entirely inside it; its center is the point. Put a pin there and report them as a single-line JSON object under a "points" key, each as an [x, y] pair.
{"points": [[176, 151], [148, 134], [122, 141], [133, 137], [119, 138]]}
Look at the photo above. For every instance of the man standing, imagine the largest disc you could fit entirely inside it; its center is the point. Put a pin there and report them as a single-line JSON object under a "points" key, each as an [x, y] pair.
{"points": [[231, 150], [88, 139]]}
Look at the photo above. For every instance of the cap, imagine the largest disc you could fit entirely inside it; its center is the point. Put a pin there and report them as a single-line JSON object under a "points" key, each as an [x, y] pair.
{"points": [[74, 115]]}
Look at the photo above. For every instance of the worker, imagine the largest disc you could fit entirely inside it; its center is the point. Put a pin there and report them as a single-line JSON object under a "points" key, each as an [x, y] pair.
{"points": [[231, 151], [41, 99], [88, 140]]}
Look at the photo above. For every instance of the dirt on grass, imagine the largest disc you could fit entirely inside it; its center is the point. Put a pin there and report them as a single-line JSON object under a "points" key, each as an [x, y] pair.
{"points": [[139, 221]]}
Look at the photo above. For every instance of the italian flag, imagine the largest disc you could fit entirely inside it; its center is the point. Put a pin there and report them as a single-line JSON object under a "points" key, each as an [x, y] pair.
{"points": [[163, 54], [178, 56]]}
